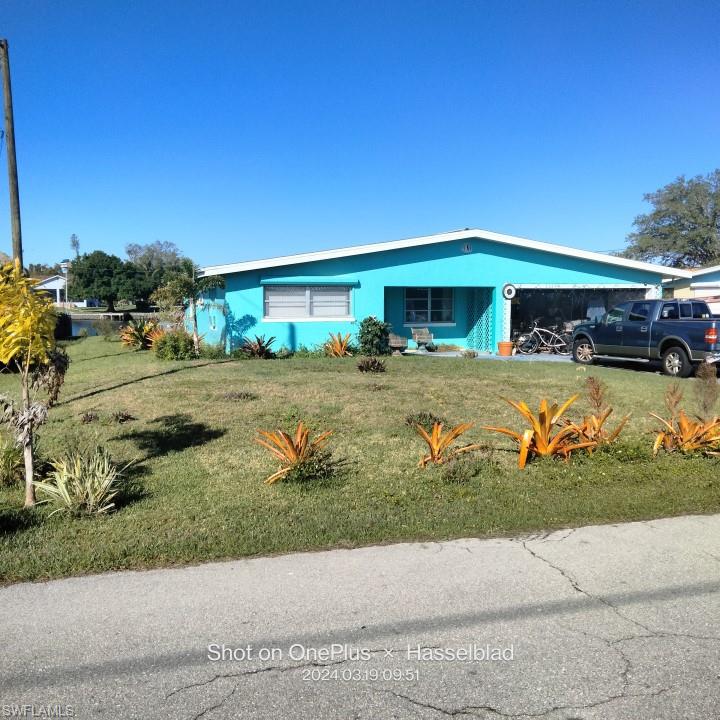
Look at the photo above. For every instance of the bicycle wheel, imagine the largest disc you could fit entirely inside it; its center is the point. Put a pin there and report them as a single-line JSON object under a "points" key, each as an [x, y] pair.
{"points": [[563, 345], [527, 344]]}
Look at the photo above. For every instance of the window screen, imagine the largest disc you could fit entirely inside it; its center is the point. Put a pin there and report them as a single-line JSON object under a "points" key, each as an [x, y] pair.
{"points": [[307, 301]]}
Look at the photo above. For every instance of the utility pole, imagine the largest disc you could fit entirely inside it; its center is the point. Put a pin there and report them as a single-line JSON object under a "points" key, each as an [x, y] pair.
{"points": [[11, 159]]}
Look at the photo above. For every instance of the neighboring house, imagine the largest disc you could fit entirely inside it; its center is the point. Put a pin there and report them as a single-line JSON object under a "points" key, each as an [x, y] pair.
{"points": [[455, 284], [55, 286], [704, 283]]}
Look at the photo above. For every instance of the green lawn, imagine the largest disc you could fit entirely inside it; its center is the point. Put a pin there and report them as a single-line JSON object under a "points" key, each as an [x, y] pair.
{"points": [[197, 485]]}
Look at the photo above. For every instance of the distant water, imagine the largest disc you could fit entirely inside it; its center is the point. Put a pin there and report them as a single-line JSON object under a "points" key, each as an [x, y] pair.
{"points": [[82, 324]]}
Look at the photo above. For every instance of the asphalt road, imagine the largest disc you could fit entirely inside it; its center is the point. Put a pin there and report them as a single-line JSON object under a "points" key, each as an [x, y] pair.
{"points": [[614, 622]]}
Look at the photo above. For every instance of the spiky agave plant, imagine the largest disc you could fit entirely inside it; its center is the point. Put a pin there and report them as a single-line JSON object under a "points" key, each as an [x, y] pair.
{"points": [[439, 443], [547, 436], [338, 345], [683, 434], [291, 450]]}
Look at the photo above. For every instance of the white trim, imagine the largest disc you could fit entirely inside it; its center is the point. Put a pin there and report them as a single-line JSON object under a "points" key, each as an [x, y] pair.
{"points": [[583, 286], [429, 324], [347, 318], [440, 238], [705, 271], [706, 284]]}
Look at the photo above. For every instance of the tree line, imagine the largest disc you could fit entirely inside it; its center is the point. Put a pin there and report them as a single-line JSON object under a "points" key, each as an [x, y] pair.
{"points": [[111, 279]]}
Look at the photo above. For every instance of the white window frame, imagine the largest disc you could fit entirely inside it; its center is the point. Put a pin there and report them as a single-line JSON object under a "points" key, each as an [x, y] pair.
{"points": [[308, 317], [429, 322]]}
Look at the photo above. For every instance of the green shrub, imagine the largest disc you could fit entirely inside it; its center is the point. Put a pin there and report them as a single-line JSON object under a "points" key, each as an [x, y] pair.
{"points": [[82, 333], [305, 352], [12, 464], [82, 483], [374, 336], [175, 345], [213, 352], [89, 416], [284, 352], [108, 329], [425, 419]]}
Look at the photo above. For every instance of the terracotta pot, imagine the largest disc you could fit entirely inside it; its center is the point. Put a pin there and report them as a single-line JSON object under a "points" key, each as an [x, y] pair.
{"points": [[505, 348]]}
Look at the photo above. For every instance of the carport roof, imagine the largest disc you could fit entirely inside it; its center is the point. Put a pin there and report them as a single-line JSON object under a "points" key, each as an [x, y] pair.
{"points": [[467, 234]]}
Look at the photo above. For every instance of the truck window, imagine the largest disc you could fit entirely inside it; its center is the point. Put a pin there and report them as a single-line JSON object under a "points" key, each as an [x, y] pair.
{"points": [[615, 315], [685, 310], [639, 312], [701, 311], [669, 311]]}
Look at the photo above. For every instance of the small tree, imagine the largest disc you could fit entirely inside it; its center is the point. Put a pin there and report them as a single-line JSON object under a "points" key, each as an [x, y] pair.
{"points": [[374, 336], [184, 288], [27, 341]]}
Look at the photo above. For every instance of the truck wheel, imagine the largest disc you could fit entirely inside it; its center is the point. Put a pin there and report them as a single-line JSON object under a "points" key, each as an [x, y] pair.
{"points": [[583, 352], [676, 363]]}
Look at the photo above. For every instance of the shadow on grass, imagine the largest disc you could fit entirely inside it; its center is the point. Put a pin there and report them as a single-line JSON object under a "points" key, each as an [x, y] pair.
{"points": [[172, 433], [132, 489], [13, 520], [132, 381]]}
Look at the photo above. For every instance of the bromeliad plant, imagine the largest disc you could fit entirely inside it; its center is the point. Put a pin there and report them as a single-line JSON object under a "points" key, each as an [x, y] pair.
{"points": [[439, 443], [338, 346], [548, 435], [686, 435], [154, 335], [592, 427], [139, 334], [295, 452], [681, 433], [259, 347]]}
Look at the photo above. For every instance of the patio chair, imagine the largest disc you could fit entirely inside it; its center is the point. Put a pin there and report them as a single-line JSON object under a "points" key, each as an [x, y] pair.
{"points": [[422, 336], [397, 343]]}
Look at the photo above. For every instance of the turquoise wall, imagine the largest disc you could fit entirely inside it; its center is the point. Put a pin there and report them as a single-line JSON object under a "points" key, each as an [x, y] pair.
{"points": [[378, 280]]}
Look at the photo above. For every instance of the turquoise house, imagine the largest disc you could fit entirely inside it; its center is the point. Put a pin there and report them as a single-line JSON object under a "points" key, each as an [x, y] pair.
{"points": [[470, 288]]}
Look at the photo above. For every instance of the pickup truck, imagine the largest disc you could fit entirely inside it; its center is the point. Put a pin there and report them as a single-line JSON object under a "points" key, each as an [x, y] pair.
{"points": [[679, 333]]}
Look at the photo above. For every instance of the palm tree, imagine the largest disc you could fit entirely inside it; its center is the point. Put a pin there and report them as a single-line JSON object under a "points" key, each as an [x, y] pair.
{"points": [[184, 287]]}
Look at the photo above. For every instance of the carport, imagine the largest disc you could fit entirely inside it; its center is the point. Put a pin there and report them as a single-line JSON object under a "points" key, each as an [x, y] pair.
{"points": [[556, 305]]}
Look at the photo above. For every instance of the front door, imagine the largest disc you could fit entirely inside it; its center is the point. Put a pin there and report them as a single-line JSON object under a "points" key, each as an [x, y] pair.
{"points": [[608, 333]]}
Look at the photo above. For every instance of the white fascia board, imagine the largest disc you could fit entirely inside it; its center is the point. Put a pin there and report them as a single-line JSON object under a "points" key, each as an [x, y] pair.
{"points": [[444, 237], [709, 284], [705, 271]]}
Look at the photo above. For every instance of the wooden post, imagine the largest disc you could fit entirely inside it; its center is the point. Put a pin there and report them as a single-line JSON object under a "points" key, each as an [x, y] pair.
{"points": [[10, 149]]}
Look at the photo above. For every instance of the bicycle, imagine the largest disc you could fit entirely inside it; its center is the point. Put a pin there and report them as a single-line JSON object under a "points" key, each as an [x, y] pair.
{"points": [[540, 338]]}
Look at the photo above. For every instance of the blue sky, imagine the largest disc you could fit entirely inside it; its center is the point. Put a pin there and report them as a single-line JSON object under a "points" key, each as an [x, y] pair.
{"points": [[243, 130]]}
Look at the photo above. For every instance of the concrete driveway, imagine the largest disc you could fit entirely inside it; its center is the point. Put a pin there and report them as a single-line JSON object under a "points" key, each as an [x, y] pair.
{"points": [[614, 622]]}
